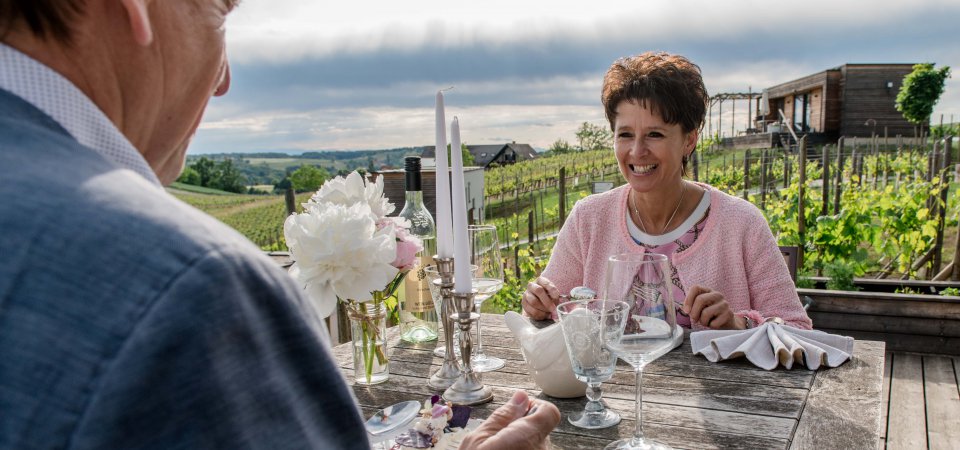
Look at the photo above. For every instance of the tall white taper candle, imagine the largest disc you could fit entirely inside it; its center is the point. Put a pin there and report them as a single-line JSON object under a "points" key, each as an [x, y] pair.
{"points": [[461, 244], [444, 227]]}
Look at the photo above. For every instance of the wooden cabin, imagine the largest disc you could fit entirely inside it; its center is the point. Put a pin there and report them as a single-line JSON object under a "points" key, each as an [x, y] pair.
{"points": [[852, 100]]}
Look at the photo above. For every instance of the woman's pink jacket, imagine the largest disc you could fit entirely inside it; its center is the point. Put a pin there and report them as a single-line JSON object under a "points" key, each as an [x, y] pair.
{"points": [[736, 254]]}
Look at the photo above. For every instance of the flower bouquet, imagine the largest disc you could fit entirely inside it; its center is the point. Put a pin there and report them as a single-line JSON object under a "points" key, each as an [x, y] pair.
{"points": [[346, 249]]}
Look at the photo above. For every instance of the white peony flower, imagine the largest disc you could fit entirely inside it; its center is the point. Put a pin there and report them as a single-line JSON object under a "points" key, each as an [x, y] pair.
{"points": [[354, 189], [338, 249]]}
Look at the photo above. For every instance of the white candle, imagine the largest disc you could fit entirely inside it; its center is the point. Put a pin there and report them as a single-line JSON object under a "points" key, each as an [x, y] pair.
{"points": [[444, 228], [461, 244]]}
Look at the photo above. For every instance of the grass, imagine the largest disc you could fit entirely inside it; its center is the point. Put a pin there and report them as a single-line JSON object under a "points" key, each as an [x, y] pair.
{"points": [[197, 189], [268, 188]]}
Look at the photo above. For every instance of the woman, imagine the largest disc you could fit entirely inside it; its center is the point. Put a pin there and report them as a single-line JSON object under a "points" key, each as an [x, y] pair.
{"points": [[723, 257]]}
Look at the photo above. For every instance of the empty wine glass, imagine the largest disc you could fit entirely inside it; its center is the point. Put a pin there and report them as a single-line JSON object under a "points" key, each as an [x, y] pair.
{"points": [[643, 282], [589, 326], [487, 280]]}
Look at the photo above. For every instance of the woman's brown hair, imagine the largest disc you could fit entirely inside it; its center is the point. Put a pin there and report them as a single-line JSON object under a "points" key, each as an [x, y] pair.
{"points": [[669, 84]]}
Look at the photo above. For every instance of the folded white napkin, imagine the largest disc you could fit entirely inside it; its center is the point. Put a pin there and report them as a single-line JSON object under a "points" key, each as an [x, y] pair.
{"points": [[772, 343]]}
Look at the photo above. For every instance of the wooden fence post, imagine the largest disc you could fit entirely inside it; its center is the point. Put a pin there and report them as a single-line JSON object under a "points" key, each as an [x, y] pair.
{"points": [[543, 217], [801, 222], [696, 165], [886, 171], [876, 164], [856, 165], [746, 174], [763, 180], [530, 227], [563, 196], [825, 193], [516, 203], [931, 168], [291, 201], [787, 167], [342, 322], [838, 186], [942, 207], [516, 261]]}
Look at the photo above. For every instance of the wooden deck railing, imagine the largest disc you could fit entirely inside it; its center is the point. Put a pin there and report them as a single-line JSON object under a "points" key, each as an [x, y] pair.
{"points": [[906, 322]]}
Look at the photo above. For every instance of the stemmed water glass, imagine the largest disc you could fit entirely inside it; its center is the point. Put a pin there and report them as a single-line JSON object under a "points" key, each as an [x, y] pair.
{"points": [[487, 280], [589, 326], [642, 281]]}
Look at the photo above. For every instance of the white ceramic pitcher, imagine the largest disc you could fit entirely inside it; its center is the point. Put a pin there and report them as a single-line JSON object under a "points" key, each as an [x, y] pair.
{"points": [[546, 357]]}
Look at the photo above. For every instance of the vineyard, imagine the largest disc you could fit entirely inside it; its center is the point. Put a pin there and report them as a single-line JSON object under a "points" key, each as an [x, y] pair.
{"points": [[531, 198], [864, 211], [868, 210], [258, 217]]}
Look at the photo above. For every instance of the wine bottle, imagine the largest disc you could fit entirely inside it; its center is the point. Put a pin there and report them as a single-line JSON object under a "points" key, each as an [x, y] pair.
{"points": [[418, 317]]}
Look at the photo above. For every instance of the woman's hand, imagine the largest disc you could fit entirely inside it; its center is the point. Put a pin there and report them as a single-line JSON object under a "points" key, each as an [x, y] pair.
{"points": [[540, 300], [708, 308]]}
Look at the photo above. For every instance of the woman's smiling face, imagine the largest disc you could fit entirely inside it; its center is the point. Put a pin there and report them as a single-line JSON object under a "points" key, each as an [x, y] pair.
{"points": [[649, 151]]}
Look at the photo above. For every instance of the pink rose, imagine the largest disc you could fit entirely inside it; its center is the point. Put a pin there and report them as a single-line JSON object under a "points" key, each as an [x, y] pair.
{"points": [[407, 248]]}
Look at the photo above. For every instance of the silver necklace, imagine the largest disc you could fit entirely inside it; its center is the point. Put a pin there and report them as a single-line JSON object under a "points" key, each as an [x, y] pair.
{"points": [[683, 190]]}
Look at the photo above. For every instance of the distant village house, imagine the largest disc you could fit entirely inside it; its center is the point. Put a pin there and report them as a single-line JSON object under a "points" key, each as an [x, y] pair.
{"points": [[492, 155]]}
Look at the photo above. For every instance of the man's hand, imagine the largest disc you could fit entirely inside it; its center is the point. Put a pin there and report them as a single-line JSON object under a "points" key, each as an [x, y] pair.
{"points": [[540, 300], [710, 309], [520, 423]]}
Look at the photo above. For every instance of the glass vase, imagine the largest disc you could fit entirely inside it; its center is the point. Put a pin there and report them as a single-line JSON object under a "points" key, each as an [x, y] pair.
{"points": [[368, 331]]}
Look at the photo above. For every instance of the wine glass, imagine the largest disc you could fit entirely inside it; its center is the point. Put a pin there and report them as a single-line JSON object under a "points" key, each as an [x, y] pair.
{"points": [[589, 326], [642, 281], [487, 281]]}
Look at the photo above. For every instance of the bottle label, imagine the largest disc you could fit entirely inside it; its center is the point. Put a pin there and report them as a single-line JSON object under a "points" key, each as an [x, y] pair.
{"points": [[416, 290]]}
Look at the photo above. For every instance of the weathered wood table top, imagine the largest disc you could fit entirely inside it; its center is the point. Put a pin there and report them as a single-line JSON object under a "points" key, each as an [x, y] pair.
{"points": [[688, 402]]}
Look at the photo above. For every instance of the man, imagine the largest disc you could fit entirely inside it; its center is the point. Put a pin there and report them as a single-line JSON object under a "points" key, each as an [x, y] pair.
{"points": [[128, 319]]}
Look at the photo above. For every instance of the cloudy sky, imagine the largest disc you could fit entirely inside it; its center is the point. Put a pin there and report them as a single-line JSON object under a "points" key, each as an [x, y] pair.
{"points": [[358, 74]]}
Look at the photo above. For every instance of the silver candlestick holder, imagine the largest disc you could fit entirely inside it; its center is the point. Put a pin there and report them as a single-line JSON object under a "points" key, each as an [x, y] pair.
{"points": [[467, 390], [450, 370]]}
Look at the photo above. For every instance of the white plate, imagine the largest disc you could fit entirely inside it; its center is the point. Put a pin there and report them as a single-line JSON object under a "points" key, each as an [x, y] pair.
{"points": [[386, 444], [392, 417]]}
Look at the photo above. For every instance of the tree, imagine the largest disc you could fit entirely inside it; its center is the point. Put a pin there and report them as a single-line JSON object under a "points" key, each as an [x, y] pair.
{"points": [[227, 177], [467, 156], [205, 168], [920, 91], [308, 178], [464, 153], [283, 184], [189, 176], [560, 147], [594, 137]]}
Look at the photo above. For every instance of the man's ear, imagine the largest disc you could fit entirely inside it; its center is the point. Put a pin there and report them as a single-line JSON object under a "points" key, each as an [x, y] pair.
{"points": [[139, 21]]}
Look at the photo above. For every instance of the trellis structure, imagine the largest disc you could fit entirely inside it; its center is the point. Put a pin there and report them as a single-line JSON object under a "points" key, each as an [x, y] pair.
{"points": [[754, 108]]}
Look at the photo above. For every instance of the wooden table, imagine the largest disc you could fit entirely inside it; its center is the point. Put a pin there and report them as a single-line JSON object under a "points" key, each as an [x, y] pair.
{"points": [[688, 402]]}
